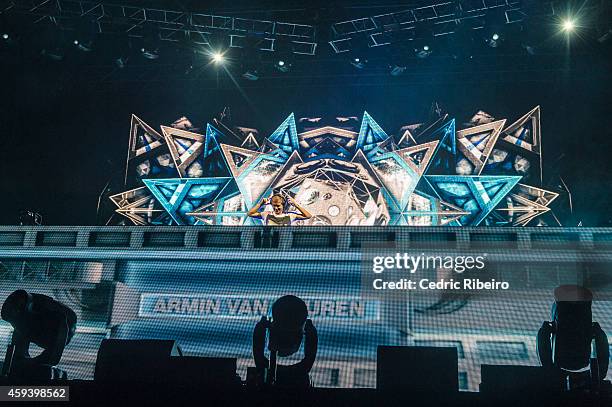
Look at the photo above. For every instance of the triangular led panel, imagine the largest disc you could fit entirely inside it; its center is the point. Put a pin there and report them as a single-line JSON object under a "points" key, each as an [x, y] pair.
{"points": [[419, 156], [478, 195], [186, 149], [258, 175], [143, 138], [425, 210], [237, 158], [250, 142], [370, 133], [285, 136], [474, 145], [180, 196], [525, 132], [327, 148]]}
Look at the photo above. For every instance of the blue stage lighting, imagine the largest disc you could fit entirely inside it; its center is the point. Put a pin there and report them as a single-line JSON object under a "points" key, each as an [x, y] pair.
{"points": [[359, 63], [423, 52]]}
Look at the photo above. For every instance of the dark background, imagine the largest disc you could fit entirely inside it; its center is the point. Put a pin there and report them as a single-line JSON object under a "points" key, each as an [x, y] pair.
{"points": [[64, 125]]}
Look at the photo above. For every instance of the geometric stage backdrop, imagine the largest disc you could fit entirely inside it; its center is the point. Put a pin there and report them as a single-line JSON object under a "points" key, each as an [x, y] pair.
{"points": [[345, 172]]}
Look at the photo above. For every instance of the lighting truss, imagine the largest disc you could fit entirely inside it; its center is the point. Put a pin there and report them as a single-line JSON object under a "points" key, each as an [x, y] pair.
{"points": [[173, 25], [443, 16]]}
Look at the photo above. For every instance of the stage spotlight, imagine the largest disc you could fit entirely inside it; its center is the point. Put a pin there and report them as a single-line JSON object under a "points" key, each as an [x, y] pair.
{"points": [[283, 50], [423, 51], [119, 47], [151, 54], [494, 40], [568, 25], [396, 70], [494, 27], [121, 62], [218, 58], [359, 63], [86, 33], [251, 75], [282, 66], [423, 40], [284, 334], [53, 43], [150, 42], [251, 58]]}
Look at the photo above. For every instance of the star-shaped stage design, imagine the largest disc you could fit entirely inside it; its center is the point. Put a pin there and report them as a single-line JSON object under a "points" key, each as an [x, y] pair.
{"points": [[349, 172]]}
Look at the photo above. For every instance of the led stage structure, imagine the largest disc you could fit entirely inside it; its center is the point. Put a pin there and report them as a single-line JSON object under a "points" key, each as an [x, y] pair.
{"points": [[489, 172]]}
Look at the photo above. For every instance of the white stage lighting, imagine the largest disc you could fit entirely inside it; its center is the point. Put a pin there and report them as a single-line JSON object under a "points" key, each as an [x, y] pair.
{"points": [[218, 58], [568, 25]]}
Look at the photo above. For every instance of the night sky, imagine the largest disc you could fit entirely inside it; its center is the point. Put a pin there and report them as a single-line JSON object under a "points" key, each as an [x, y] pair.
{"points": [[64, 133]]}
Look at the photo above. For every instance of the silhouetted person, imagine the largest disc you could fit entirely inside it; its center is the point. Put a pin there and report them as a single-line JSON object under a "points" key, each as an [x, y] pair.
{"points": [[38, 319], [565, 342], [289, 324]]}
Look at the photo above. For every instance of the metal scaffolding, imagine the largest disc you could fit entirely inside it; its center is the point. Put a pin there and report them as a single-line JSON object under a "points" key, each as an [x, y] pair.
{"points": [[172, 25], [442, 17]]}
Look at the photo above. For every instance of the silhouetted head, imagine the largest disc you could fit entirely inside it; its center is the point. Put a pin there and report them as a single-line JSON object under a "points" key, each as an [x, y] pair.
{"points": [[16, 305], [278, 204], [289, 314]]}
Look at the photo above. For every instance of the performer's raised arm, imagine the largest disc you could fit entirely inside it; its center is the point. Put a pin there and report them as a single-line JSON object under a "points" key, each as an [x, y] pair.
{"points": [[254, 211], [304, 214]]}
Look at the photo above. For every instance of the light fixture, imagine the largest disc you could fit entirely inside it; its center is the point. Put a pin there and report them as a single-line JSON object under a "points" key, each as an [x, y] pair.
{"points": [[218, 57], [423, 51], [494, 40], [494, 29], [251, 75], [282, 66], [396, 70], [85, 34], [423, 40], [568, 25], [149, 53], [121, 62], [359, 63], [5, 36], [150, 43]]}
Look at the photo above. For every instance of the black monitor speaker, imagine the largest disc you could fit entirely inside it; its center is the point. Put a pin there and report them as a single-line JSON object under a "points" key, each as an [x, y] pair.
{"points": [[417, 369], [133, 360]]}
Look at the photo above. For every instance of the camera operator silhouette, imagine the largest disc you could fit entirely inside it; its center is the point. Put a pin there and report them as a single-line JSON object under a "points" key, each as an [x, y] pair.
{"points": [[41, 320]]}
